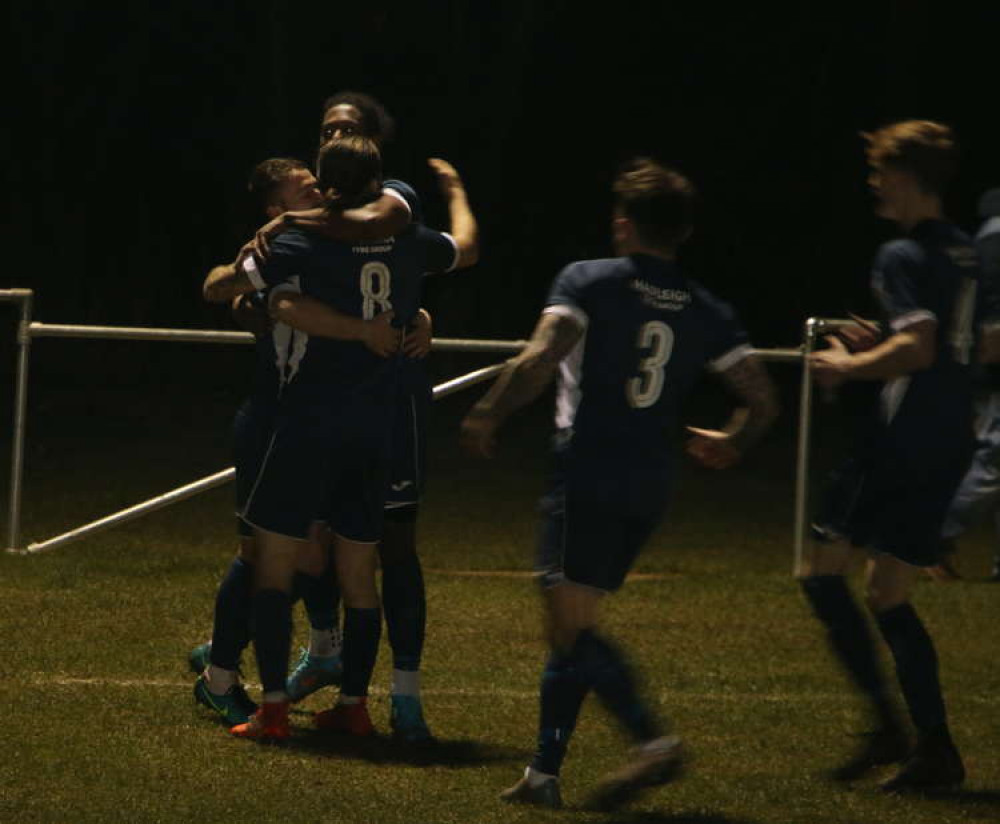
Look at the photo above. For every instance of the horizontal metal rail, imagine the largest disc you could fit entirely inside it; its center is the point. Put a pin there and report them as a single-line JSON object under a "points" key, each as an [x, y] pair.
{"points": [[212, 481]]}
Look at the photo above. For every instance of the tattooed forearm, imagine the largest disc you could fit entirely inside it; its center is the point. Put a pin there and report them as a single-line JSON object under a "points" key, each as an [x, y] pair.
{"points": [[749, 381], [527, 375]]}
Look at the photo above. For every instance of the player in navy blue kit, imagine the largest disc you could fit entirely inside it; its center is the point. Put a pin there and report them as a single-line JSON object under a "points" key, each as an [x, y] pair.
{"points": [[628, 337], [328, 453], [353, 113], [277, 185], [892, 497]]}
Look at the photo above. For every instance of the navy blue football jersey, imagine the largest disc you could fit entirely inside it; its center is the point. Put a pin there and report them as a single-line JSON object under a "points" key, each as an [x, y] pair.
{"points": [[649, 331], [932, 274], [362, 280]]}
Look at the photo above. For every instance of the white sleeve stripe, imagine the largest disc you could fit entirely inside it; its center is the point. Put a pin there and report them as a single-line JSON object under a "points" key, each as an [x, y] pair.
{"points": [[910, 318], [398, 196], [730, 358], [567, 310], [454, 261], [250, 267]]}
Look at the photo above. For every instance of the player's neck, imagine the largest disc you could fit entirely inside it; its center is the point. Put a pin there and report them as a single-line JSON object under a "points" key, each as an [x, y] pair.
{"points": [[918, 210], [668, 254]]}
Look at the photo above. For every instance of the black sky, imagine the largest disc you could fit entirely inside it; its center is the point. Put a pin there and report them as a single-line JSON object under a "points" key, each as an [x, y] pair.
{"points": [[134, 130]]}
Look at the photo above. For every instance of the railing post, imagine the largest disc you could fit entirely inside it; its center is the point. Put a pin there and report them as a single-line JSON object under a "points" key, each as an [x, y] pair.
{"points": [[810, 332], [26, 299]]}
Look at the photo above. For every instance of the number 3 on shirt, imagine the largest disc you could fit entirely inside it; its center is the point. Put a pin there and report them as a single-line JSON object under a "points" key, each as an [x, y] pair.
{"points": [[376, 287], [644, 390]]}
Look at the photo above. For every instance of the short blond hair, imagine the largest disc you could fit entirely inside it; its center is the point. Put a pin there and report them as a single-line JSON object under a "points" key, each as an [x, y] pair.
{"points": [[925, 149]]}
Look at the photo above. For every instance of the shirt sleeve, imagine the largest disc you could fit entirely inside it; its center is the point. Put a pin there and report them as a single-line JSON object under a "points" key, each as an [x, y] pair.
{"points": [[895, 282], [439, 249], [406, 193], [288, 251], [567, 296], [728, 342]]}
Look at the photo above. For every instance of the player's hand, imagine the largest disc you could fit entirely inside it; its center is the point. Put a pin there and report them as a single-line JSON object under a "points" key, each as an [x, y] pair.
{"points": [[861, 335], [447, 176], [250, 317], [417, 341], [712, 448], [479, 435], [380, 336], [831, 367]]}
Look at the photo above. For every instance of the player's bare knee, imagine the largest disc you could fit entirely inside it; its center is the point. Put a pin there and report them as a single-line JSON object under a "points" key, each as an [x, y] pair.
{"points": [[247, 550]]}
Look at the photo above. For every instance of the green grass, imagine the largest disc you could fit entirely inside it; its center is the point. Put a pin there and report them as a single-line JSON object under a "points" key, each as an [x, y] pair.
{"points": [[99, 724]]}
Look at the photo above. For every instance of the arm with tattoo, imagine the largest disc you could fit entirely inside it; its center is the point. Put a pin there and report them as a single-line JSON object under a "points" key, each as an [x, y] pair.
{"points": [[522, 381], [751, 384]]}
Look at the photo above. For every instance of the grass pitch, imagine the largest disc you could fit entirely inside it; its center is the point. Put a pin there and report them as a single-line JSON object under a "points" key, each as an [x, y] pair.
{"points": [[99, 724]]}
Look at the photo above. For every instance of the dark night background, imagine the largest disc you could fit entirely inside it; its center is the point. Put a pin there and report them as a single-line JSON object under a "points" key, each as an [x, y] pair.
{"points": [[132, 132]]}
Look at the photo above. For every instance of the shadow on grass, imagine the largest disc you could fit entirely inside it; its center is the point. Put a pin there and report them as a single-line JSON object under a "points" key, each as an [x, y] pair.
{"points": [[974, 798], [385, 750], [621, 817]]}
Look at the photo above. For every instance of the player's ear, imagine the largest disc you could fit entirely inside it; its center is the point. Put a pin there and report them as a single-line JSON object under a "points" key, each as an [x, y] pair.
{"points": [[273, 210], [622, 229]]}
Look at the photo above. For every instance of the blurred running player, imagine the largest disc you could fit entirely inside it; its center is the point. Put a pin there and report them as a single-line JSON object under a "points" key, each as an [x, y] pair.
{"points": [[627, 337], [892, 496]]}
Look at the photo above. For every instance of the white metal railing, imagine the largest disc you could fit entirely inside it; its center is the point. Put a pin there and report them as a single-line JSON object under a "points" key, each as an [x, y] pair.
{"points": [[28, 330]]}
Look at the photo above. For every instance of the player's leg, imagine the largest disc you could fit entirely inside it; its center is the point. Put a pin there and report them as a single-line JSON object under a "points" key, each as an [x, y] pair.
{"points": [[823, 582], [356, 565], [272, 625], [218, 685], [935, 761], [318, 665], [405, 606], [979, 490], [403, 594]]}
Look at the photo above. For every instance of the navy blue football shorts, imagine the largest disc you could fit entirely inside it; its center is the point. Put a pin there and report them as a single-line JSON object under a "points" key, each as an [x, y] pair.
{"points": [[329, 467], [408, 449], [596, 517], [251, 433], [890, 507]]}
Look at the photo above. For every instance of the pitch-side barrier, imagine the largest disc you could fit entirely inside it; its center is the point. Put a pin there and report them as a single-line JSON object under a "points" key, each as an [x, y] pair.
{"points": [[28, 330]]}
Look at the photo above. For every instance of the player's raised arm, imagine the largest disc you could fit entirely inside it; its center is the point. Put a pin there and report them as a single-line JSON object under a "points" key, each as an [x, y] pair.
{"points": [[464, 228], [521, 382], [749, 382], [387, 215]]}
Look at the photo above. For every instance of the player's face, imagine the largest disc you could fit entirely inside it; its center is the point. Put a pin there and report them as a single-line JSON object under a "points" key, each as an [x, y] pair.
{"points": [[340, 121], [299, 190]]}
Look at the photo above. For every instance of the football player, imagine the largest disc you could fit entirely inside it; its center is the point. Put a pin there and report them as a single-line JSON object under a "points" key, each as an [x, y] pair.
{"points": [[627, 337], [891, 497]]}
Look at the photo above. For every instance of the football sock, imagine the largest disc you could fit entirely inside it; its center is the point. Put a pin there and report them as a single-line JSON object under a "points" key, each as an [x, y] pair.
{"points": [[320, 596], [916, 666], [562, 693], [604, 668], [219, 680], [405, 605], [851, 639], [272, 617], [233, 604], [405, 682], [324, 643], [362, 630]]}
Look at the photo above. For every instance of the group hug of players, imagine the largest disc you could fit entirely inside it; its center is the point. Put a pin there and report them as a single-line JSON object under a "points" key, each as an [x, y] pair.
{"points": [[329, 447]]}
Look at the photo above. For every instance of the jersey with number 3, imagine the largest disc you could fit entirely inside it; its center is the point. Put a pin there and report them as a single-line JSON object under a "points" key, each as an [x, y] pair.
{"points": [[648, 333], [931, 275], [361, 280]]}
